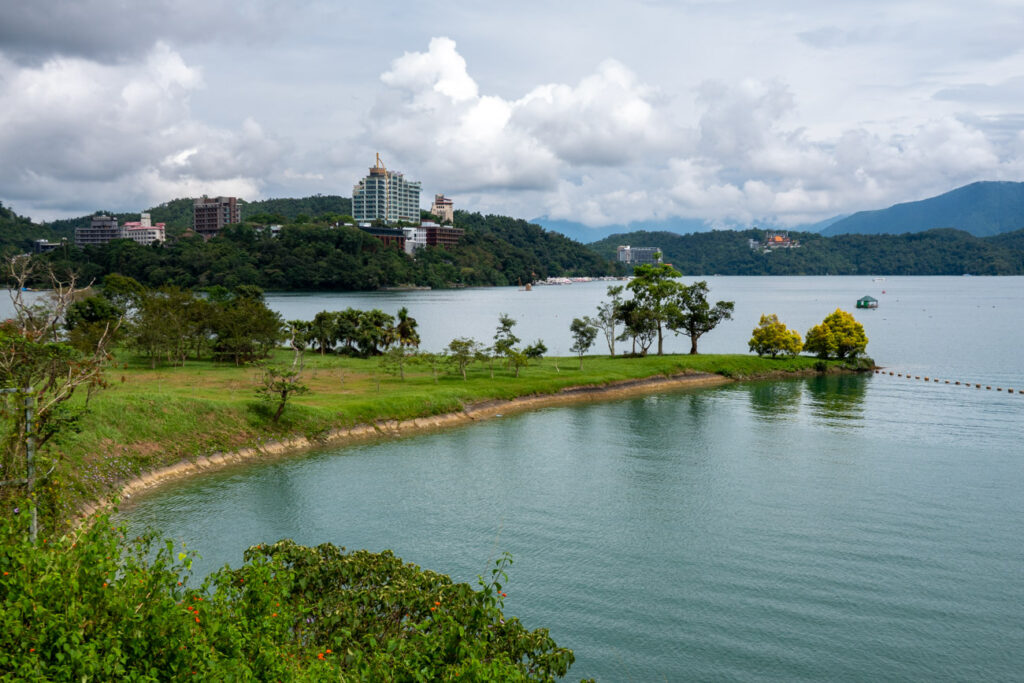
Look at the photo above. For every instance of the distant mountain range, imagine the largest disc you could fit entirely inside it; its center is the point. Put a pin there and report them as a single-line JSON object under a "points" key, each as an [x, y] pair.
{"points": [[981, 209]]}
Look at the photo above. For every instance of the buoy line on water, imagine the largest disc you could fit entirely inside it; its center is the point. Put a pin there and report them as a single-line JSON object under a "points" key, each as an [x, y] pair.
{"points": [[935, 380]]}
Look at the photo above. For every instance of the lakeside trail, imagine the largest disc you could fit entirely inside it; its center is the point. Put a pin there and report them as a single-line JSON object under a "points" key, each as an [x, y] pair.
{"points": [[473, 412]]}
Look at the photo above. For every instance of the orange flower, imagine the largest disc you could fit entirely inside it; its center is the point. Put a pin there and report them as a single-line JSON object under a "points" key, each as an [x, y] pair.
{"points": [[319, 655], [437, 602], [274, 614], [5, 573], [328, 651], [31, 649], [197, 620], [104, 584], [432, 609]]}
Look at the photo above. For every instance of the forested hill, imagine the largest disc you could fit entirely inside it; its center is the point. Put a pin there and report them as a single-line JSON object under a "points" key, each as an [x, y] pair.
{"points": [[316, 255], [177, 213], [933, 252], [18, 232], [982, 209]]}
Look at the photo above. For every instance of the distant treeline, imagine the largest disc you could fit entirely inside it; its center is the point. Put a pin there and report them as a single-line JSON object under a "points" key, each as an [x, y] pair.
{"points": [[311, 254], [177, 213], [933, 252]]}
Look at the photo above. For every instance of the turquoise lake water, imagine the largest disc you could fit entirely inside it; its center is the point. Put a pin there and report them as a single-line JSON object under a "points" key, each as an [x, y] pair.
{"points": [[844, 528]]}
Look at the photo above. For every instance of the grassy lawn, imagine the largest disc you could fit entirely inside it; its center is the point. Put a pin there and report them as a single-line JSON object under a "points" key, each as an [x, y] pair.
{"points": [[149, 418]]}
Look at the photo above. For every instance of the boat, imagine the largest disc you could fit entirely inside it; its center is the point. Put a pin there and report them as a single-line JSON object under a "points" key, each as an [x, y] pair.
{"points": [[867, 302]]}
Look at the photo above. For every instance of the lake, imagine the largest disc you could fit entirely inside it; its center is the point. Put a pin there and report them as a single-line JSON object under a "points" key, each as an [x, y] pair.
{"points": [[848, 528]]}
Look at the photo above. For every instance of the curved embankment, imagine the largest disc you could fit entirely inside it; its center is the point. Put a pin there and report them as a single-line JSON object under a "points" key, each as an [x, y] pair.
{"points": [[395, 428]]}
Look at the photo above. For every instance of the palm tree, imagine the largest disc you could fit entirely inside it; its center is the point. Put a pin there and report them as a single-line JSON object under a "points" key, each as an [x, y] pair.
{"points": [[406, 329]]}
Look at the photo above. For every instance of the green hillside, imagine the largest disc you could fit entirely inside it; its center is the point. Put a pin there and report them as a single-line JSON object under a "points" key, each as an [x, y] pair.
{"points": [[981, 209], [177, 213], [313, 254], [18, 232], [933, 252]]}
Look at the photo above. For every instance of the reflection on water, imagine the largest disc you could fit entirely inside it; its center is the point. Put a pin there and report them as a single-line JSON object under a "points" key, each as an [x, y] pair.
{"points": [[772, 400], [838, 397]]}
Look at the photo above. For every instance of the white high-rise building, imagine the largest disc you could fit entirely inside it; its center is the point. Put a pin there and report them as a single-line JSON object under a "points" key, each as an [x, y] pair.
{"points": [[386, 196]]}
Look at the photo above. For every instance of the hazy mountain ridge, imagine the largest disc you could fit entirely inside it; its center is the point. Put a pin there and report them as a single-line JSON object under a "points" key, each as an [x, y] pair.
{"points": [[982, 209]]}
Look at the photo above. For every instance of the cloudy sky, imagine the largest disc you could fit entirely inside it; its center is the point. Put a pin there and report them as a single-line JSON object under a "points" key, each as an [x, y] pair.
{"points": [[603, 112]]}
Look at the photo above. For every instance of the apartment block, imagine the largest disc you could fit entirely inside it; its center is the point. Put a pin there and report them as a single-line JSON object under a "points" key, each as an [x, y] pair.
{"points": [[210, 214]]}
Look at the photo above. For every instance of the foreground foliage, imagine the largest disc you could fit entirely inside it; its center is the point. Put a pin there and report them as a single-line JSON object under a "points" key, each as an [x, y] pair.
{"points": [[93, 606]]}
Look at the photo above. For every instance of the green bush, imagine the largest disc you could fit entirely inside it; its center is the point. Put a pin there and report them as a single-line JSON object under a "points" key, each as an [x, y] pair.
{"points": [[94, 606]]}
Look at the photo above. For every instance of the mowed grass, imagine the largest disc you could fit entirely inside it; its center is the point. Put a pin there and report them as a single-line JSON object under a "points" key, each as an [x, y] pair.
{"points": [[147, 418]]}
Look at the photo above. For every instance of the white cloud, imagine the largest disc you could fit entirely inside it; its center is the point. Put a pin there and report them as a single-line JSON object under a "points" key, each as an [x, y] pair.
{"points": [[611, 149], [118, 134]]}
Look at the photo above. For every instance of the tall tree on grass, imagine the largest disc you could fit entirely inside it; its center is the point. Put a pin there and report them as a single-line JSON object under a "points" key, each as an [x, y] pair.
{"points": [[462, 352], [323, 331], [583, 334], [639, 325], [504, 339], [245, 328], [609, 315], [405, 330], [692, 315], [655, 289]]}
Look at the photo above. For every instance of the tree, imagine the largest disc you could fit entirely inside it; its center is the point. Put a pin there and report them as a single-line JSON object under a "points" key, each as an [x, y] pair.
{"points": [[39, 374], [462, 352], [434, 361], [583, 333], [161, 325], [394, 360], [323, 330], [608, 316], [693, 316], [406, 329], [245, 329], [518, 360], [839, 336], [123, 292], [771, 338], [280, 385], [655, 289], [89, 319], [375, 332], [504, 339], [639, 324], [485, 354], [536, 350]]}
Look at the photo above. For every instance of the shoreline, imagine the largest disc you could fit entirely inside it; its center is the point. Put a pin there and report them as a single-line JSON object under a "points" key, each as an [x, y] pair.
{"points": [[482, 410]]}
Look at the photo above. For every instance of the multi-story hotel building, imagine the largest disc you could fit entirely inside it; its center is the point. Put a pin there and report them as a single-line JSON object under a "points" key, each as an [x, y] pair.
{"points": [[210, 214], [636, 256], [101, 230], [386, 196], [443, 208], [144, 232]]}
